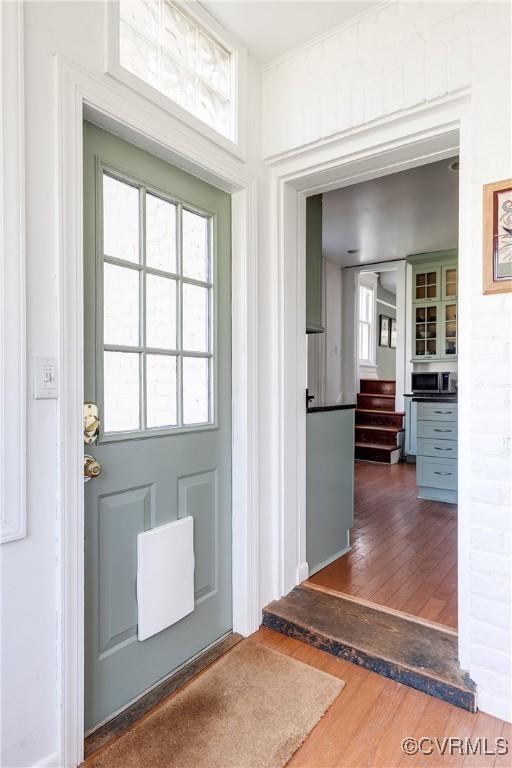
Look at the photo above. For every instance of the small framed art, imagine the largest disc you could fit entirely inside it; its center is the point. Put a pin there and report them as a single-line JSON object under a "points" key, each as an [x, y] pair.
{"points": [[497, 245], [384, 331]]}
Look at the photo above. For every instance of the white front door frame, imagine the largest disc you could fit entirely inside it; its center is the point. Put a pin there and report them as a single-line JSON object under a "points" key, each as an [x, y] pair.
{"points": [[81, 94], [420, 136]]}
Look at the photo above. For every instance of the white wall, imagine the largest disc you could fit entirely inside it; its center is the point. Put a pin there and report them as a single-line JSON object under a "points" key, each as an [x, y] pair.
{"points": [[324, 349], [29, 717], [396, 60], [386, 356], [333, 296]]}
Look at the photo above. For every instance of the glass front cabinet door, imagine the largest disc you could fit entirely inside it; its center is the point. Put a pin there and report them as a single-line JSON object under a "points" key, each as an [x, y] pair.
{"points": [[449, 349], [449, 278], [426, 285], [426, 326]]}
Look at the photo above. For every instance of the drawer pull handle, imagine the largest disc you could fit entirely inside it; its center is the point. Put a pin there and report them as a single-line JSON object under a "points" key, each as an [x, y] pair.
{"points": [[442, 473], [443, 413], [442, 430], [437, 448]]}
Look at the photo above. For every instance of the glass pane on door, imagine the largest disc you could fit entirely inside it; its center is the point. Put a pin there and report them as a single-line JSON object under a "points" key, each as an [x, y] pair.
{"points": [[120, 305], [120, 219], [121, 375], [195, 390], [161, 376], [160, 234], [160, 312], [195, 246]]}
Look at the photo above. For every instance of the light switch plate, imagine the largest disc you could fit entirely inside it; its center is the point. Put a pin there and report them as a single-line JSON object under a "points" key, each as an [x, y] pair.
{"points": [[45, 378]]}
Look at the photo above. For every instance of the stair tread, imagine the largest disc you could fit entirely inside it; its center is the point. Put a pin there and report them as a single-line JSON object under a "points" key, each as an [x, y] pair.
{"points": [[416, 655], [377, 394], [378, 427], [381, 446], [386, 413]]}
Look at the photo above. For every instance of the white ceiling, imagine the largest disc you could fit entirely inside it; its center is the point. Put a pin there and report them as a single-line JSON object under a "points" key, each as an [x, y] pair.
{"points": [[415, 211], [270, 28]]}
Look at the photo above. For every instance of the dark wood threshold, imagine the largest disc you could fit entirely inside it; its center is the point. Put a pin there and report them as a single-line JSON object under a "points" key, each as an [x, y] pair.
{"points": [[379, 607], [419, 656], [148, 701]]}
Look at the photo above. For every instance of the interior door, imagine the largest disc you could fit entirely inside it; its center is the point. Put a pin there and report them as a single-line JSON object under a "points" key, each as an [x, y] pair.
{"points": [[157, 363]]}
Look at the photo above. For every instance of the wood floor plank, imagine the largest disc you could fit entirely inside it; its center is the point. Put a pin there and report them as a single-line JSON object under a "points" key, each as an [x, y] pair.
{"points": [[366, 724], [404, 549]]}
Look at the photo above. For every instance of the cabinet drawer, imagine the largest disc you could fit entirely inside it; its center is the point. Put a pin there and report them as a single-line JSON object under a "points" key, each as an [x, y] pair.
{"points": [[437, 411], [435, 473], [438, 430], [440, 449]]}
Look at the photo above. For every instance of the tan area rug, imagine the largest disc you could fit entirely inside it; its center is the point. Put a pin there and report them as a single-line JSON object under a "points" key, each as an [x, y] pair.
{"points": [[251, 709]]}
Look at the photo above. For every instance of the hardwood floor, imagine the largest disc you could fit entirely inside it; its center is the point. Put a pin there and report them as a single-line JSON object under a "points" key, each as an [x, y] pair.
{"points": [[367, 722], [404, 549]]}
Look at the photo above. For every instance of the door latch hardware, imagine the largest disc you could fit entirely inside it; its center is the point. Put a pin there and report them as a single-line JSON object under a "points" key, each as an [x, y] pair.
{"points": [[92, 468], [91, 423]]}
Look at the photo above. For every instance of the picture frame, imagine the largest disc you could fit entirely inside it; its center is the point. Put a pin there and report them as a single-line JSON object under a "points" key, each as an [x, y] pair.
{"points": [[392, 333], [497, 237], [384, 328]]}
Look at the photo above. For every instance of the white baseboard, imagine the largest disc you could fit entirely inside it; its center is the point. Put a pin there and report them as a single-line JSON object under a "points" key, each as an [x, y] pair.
{"points": [[51, 761], [329, 560], [302, 572]]}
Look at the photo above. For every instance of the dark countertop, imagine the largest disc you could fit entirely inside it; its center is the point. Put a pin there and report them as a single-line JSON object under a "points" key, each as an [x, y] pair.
{"points": [[441, 397], [334, 407]]}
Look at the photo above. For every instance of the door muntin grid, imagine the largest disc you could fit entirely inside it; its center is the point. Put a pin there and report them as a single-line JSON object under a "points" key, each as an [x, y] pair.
{"points": [[163, 351]]}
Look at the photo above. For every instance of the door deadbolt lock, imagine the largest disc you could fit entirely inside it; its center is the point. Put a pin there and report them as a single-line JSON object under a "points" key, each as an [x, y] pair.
{"points": [[92, 468], [91, 423]]}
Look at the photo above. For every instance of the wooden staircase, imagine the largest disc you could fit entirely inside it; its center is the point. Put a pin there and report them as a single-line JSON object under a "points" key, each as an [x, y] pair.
{"points": [[379, 428]]}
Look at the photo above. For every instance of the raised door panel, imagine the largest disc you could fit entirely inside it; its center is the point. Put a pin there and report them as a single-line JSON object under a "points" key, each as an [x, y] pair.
{"points": [[121, 516], [198, 498]]}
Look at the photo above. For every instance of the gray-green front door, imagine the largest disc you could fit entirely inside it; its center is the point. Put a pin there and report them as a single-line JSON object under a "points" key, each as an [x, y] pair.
{"points": [[157, 362]]}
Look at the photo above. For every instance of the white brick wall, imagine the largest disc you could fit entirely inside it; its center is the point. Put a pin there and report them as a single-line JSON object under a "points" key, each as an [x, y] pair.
{"points": [[400, 57]]}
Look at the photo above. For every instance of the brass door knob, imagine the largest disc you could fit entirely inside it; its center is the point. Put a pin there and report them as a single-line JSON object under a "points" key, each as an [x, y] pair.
{"points": [[92, 468]]}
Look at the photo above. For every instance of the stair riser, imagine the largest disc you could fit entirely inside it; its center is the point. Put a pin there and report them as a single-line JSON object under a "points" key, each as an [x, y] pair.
{"points": [[374, 402], [379, 419], [364, 435], [373, 454], [374, 387], [413, 679]]}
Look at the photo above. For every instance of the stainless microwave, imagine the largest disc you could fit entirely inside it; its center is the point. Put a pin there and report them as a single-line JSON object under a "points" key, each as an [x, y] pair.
{"points": [[424, 382]]}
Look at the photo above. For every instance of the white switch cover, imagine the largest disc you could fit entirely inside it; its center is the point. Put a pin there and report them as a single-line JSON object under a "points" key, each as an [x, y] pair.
{"points": [[45, 378]]}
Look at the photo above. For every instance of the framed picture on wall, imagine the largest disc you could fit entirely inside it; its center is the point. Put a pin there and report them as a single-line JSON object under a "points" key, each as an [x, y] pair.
{"points": [[384, 330], [497, 236], [392, 333]]}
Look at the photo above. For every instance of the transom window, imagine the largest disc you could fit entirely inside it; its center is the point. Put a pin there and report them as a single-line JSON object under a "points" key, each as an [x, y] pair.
{"points": [[157, 310], [167, 48]]}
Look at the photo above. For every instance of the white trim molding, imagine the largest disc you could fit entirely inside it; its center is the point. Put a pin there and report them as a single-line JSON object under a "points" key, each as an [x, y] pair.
{"points": [[418, 137], [83, 95], [12, 278]]}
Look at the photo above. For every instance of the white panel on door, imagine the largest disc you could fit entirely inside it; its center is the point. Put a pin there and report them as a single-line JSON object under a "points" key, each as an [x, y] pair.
{"points": [[165, 576]]}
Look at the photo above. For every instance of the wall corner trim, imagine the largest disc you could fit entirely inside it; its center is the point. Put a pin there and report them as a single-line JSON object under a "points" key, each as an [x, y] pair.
{"points": [[12, 278]]}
